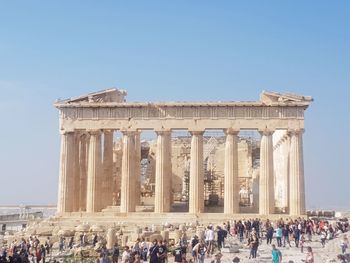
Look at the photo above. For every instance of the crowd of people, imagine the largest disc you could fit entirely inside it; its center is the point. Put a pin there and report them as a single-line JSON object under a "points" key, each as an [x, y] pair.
{"points": [[251, 233]]}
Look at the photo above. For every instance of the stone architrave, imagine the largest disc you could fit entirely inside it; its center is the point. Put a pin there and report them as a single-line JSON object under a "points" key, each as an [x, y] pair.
{"points": [[163, 173], [296, 176], [93, 198], [107, 182], [83, 171], [66, 182], [231, 194], [196, 192], [127, 197], [266, 180]]}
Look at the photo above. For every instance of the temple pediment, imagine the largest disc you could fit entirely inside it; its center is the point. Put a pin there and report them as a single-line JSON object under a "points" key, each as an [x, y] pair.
{"points": [[107, 95], [268, 98]]}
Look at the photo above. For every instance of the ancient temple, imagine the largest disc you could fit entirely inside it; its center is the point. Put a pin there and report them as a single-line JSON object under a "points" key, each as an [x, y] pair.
{"points": [[87, 177]]}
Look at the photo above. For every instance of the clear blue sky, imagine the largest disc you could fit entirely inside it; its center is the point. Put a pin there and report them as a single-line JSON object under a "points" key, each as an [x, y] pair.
{"points": [[164, 51]]}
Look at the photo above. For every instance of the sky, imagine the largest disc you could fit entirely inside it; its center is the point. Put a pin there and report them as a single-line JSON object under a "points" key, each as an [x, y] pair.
{"points": [[171, 51]]}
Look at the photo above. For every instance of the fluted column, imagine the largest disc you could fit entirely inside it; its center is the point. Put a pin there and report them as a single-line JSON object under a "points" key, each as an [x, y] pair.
{"points": [[138, 168], [266, 181], [127, 197], [231, 197], [296, 175], [83, 148], [76, 198], [196, 195], [163, 173], [107, 182], [66, 183], [93, 198]]}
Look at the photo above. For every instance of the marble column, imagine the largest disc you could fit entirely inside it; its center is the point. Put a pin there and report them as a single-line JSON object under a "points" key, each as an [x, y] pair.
{"points": [[137, 170], [296, 175], [266, 180], [127, 196], [163, 173], [231, 196], [93, 198], [76, 198], [83, 152], [107, 182], [66, 182], [196, 194]]}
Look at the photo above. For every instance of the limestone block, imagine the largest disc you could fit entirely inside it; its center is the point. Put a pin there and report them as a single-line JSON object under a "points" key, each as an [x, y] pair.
{"points": [[97, 228], [65, 233], [111, 238], [44, 231], [124, 240], [82, 228], [165, 235], [156, 237]]}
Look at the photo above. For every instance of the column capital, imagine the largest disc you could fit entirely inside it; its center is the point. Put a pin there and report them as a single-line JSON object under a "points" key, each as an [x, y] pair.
{"points": [[266, 132], [129, 132], [296, 131], [108, 130], [94, 132], [163, 132], [196, 132], [66, 132], [231, 131]]}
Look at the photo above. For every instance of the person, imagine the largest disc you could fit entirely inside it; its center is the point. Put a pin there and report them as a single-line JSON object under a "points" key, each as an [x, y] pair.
{"points": [[222, 234], [144, 250], [285, 234], [279, 236], [309, 256], [269, 234], [323, 236], [200, 249], [177, 253], [153, 250], [194, 242], [183, 243], [301, 242], [344, 244], [115, 253], [162, 252], [100, 258], [209, 239], [253, 243], [276, 254], [126, 255]]}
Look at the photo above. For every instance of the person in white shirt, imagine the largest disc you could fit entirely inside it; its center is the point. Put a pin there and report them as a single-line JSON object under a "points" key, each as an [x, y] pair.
{"points": [[209, 239], [126, 255]]}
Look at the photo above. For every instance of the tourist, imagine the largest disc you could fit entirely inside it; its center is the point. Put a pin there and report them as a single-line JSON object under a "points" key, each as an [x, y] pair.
{"points": [[279, 236], [301, 242], [144, 250], [70, 243], [276, 254], [137, 259], [309, 256], [125, 255], [94, 240], [344, 244], [177, 253], [323, 237], [269, 234], [201, 250], [240, 230], [209, 239], [194, 242], [61, 243], [285, 234], [183, 243], [153, 250], [253, 243], [115, 253], [222, 234], [162, 252]]}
